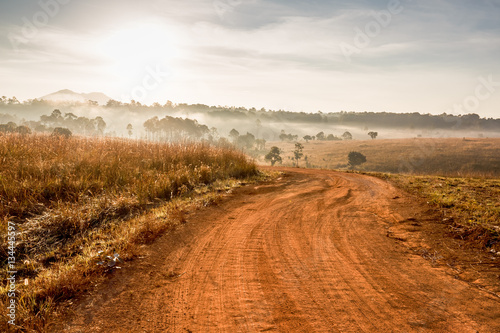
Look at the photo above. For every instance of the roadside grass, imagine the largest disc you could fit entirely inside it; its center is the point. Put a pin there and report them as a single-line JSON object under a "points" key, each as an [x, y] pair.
{"points": [[470, 206], [76, 201]]}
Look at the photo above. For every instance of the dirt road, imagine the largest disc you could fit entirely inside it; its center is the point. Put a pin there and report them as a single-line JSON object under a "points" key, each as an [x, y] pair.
{"points": [[307, 253]]}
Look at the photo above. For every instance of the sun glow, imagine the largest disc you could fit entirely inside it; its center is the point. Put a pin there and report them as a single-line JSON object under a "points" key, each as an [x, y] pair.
{"points": [[137, 47]]}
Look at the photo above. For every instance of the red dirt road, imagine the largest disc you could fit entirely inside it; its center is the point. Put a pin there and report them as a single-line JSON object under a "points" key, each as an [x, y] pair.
{"points": [[307, 253]]}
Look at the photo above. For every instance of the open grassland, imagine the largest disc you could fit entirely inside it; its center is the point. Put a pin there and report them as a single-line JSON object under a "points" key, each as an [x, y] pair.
{"points": [[455, 157], [73, 202]]}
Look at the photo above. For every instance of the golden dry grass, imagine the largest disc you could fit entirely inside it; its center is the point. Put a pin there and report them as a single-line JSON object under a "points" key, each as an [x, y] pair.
{"points": [[445, 157], [74, 201]]}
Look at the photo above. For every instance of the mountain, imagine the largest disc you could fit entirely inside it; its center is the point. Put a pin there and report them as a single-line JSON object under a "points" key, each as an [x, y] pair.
{"points": [[71, 96]]}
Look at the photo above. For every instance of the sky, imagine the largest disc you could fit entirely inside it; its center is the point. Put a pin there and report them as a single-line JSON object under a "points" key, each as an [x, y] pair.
{"points": [[428, 56]]}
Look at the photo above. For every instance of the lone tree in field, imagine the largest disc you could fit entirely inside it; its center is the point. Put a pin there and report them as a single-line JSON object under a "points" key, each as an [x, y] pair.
{"points": [[307, 138], [274, 155], [373, 135], [297, 153], [347, 136], [356, 159]]}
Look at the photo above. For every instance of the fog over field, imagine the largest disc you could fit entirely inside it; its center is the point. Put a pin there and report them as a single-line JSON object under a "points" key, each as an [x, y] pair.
{"points": [[400, 68], [262, 123]]}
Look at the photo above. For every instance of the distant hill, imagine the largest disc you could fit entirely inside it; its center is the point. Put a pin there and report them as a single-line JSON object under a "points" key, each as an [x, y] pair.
{"points": [[71, 96]]}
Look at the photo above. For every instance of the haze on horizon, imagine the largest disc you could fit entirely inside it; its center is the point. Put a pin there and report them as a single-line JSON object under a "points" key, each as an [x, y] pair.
{"points": [[395, 56]]}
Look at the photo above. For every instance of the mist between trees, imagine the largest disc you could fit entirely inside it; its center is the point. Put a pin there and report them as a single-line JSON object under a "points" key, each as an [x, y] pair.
{"points": [[171, 121]]}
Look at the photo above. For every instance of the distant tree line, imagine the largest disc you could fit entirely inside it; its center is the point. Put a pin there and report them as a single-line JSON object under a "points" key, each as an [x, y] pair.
{"points": [[321, 136], [12, 127], [56, 120], [373, 119], [172, 129], [247, 141], [288, 137]]}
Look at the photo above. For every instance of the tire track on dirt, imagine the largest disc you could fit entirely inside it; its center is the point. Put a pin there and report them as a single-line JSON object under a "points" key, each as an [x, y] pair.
{"points": [[308, 253]]}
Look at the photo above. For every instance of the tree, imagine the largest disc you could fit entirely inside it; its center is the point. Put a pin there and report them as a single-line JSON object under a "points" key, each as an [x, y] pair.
{"points": [[169, 105], [56, 114], [23, 130], [113, 104], [54, 119], [373, 135], [201, 130], [70, 116], [297, 153], [11, 126], [100, 125], [13, 100], [214, 133], [234, 134], [246, 140], [274, 155], [320, 136], [355, 158], [130, 130], [287, 137], [151, 126], [307, 138], [62, 132], [260, 144], [347, 136]]}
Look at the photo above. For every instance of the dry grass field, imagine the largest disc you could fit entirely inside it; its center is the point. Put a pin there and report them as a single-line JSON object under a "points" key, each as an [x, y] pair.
{"points": [[73, 202], [444, 157]]}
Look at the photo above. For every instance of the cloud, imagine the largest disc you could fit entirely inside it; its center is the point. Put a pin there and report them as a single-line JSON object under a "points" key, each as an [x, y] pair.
{"points": [[260, 51]]}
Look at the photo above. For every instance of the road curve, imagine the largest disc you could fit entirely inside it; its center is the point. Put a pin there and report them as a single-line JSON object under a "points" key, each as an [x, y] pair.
{"points": [[306, 253]]}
